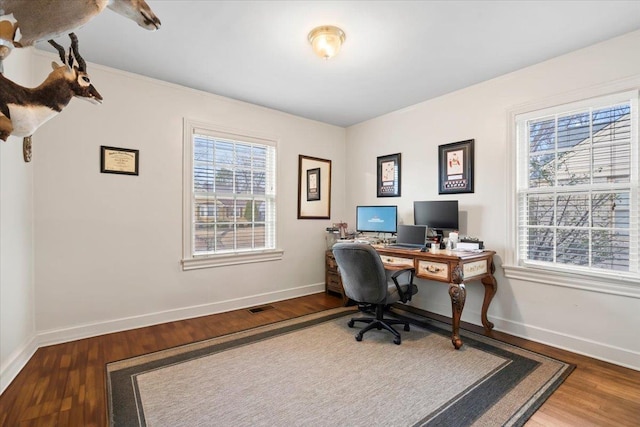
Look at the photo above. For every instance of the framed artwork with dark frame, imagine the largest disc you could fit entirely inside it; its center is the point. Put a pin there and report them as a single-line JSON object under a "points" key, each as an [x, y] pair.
{"points": [[389, 175], [122, 161], [455, 163], [313, 184], [314, 188]]}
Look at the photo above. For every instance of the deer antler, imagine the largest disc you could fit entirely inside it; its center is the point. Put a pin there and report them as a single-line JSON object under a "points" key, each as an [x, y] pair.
{"points": [[74, 45]]}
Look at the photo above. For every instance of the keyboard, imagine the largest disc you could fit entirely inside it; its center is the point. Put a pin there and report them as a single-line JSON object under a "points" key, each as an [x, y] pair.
{"points": [[405, 246]]}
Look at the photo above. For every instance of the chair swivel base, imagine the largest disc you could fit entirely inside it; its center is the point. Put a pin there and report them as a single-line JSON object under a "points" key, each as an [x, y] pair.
{"points": [[380, 324]]}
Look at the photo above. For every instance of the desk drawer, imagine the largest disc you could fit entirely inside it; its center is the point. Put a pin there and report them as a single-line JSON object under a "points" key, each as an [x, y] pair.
{"points": [[331, 262], [475, 268], [397, 261], [334, 283], [431, 269]]}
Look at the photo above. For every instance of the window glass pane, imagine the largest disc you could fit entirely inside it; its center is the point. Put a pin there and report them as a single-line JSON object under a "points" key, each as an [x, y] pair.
{"points": [[259, 209], [540, 244], [259, 235], [226, 210], [542, 171], [202, 149], [612, 124], [259, 157], [203, 177], [573, 247], [243, 181], [574, 167], [225, 237], [573, 130], [610, 210], [572, 210], [612, 163], [224, 153], [244, 236], [541, 210], [243, 155], [610, 250], [205, 237], [259, 183], [223, 180], [542, 135]]}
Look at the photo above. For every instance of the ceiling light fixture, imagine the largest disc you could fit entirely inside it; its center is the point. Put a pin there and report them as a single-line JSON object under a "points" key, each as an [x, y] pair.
{"points": [[326, 40]]}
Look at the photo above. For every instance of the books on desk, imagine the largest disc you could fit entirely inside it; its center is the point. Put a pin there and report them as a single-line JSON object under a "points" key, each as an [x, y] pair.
{"points": [[468, 251], [469, 245]]}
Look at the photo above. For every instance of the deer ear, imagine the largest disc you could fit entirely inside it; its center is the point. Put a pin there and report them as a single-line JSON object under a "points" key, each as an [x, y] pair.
{"points": [[54, 65]]}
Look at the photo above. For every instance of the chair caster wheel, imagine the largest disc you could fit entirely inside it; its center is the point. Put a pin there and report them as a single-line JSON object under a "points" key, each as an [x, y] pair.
{"points": [[406, 327], [397, 341], [351, 323], [358, 337]]}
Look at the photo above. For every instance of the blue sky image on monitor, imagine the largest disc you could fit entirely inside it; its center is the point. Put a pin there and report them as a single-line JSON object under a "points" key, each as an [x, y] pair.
{"points": [[378, 219]]}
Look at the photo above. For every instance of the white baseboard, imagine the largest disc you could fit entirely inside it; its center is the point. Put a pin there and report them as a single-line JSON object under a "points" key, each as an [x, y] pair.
{"points": [[57, 336], [597, 350], [16, 361], [20, 357], [579, 345]]}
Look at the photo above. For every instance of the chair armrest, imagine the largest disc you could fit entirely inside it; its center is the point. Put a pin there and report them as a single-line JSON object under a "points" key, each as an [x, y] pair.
{"points": [[411, 271]]}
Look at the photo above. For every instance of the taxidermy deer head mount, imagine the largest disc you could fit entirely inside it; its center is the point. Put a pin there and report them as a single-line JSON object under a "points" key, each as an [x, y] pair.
{"points": [[47, 19], [24, 110]]}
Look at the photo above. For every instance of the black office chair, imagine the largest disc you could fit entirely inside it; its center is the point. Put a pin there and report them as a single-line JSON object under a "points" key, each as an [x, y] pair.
{"points": [[366, 282]]}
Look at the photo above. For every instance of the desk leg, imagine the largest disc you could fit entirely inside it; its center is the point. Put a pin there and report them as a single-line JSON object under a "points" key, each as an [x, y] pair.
{"points": [[458, 294], [490, 288]]}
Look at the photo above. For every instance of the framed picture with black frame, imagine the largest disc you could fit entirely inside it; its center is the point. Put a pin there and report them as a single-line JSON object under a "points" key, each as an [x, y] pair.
{"points": [[123, 161], [389, 175], [313, 184], [314, 188], [455, 164]]}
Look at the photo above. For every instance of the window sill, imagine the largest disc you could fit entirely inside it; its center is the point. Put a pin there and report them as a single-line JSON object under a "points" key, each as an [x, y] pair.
{"points": [[607, 284], [235, 258]]}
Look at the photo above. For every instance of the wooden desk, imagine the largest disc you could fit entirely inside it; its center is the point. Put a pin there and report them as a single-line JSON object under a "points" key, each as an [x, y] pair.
{"points": [[451, 267]]}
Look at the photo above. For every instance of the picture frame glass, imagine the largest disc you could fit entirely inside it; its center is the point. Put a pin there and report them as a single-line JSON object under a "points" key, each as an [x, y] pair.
{"points": [[123, 161], [455, 163], [314, 188], [389, 175]]}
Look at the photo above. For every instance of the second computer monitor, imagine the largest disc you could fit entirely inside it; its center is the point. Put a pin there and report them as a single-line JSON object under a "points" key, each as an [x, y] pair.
{"points": [[436, 214]]}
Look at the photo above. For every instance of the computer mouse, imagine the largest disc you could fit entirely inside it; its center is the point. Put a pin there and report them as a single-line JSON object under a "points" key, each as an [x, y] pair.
{"points": [[423, 249]]}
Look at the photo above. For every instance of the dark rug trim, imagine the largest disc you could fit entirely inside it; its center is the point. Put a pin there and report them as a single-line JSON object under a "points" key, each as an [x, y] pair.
{"points": [[473, 405], [122, 382], [126, 410]]}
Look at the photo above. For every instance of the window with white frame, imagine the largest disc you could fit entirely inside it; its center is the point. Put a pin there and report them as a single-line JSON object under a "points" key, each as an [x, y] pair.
{"points": [[230, 197], [577, 187]]}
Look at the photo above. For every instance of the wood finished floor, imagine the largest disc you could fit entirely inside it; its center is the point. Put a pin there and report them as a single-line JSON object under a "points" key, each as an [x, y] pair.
{"points": [[64, 384]]}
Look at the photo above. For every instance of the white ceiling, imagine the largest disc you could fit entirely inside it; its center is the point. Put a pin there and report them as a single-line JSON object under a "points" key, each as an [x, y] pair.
{"points": [[397, 53]]}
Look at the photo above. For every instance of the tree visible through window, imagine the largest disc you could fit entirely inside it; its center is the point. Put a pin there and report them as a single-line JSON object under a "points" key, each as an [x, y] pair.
{"points": [[578, 188]]}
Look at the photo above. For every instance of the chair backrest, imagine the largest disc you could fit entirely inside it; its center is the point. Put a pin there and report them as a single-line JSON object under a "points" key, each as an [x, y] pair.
{"points": [[362, 272]]}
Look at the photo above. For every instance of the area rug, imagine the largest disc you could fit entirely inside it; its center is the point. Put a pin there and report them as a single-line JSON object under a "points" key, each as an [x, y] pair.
{"points": [[310, 371]]}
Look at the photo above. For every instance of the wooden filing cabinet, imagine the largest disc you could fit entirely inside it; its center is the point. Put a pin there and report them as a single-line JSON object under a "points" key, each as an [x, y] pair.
{"points": [[332, 280]]}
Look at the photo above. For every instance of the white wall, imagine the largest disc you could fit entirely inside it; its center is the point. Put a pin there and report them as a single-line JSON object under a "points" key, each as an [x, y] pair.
{"points": [[108, 247], [604, 326], [17, 305]]}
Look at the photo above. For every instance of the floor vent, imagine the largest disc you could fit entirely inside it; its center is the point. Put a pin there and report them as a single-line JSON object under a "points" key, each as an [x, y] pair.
{"points": [[260, 309]]}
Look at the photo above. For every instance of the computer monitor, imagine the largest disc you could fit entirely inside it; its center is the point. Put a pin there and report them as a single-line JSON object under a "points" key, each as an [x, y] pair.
{"points": [[436, 214], [376, 219]]}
